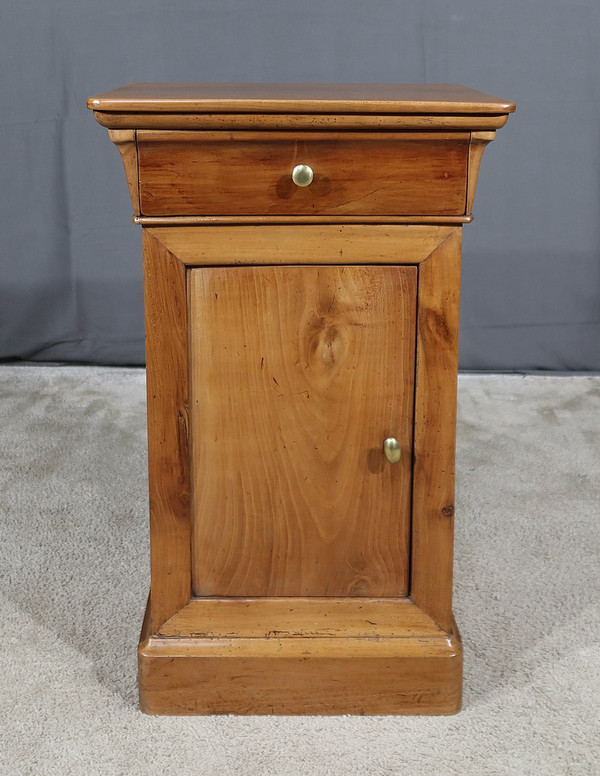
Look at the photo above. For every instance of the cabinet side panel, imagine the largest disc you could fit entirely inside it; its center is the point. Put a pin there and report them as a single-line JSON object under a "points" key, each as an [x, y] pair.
{"points": [[435, 431], [298, 374], [168, 458]]}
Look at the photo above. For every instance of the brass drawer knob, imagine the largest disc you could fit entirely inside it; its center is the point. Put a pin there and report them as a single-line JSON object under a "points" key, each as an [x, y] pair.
{"points": [[392, 449], [302, 175]]}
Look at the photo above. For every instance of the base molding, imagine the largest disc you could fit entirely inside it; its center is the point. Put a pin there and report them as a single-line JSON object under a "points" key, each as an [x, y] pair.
{"points": [[419, 673]]}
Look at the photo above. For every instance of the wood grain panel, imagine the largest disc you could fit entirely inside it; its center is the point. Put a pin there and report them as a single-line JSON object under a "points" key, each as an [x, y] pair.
{"points": [[307, 244], [421, 675], [479, 141], [168, 457], [299, 121], [435, 431], [126, 144], [297, 376], [246, 173], [298, 98], [368, 684], [315, 617]]}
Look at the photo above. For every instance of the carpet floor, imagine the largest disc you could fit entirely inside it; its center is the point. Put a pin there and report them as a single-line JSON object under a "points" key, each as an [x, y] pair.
{"points": [[74, 580]]}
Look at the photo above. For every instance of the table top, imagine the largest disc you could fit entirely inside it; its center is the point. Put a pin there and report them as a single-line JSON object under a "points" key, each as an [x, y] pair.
{"points": [[343, 98]]}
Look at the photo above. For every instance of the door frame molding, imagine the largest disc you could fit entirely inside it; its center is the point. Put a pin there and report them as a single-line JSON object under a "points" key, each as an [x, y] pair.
{"points": [[168, 252]]}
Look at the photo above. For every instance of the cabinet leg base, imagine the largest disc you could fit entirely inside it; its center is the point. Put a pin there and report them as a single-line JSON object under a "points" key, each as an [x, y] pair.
{"points": [[416, 674]]}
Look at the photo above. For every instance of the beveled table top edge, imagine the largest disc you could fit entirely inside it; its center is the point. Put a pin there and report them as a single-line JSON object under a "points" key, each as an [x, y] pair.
{"points": [[342, 98]]}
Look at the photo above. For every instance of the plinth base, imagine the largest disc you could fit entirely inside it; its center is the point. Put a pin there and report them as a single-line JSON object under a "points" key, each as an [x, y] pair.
{"points": [[300, 656]]}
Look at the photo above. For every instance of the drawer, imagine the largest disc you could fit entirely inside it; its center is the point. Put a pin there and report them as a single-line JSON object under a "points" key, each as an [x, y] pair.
{"points": [[250, 173]]}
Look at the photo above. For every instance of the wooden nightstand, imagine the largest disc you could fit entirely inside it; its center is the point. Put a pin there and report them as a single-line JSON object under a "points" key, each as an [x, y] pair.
{"points": [[302, 259]]}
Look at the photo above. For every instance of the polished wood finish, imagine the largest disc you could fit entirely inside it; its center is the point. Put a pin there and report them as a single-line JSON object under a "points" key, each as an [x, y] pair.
{"points": [[435, 431], [299, 656], [301, 121], [371, 677], [297, 376], [167, 385], [479, 141], [272, 220], [283, 347], [346, 245], [346, 617], [298, 98], [125, 140], [182, 173]]}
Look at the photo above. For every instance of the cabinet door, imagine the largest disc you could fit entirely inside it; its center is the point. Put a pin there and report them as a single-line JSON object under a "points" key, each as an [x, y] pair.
{"points": [[297, 375]]}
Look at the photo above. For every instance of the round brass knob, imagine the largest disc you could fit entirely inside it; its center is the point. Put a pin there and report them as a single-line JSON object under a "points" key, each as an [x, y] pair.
{"points": [[392, 449], [302, 175]]}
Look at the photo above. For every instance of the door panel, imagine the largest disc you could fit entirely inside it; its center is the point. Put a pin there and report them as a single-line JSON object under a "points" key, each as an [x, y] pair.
{"points": [[297, 375]]}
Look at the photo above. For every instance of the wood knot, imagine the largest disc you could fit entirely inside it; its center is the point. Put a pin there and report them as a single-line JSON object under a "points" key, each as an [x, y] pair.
{"points": [[448, 511], [438, 325], [360, 587]]}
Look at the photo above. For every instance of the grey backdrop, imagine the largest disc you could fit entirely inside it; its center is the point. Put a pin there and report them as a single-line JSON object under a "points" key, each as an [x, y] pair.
{"points": [[71, 283]]}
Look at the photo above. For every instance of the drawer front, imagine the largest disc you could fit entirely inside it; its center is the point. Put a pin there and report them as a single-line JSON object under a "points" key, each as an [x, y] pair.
{"points": [[250, 173]]}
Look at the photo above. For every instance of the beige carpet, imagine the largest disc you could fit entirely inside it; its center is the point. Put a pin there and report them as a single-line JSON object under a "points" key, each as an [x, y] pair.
{"points": [[74, 577]]}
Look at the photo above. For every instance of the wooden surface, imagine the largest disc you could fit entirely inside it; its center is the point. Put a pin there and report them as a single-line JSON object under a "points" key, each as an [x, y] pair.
{"points": [[435, 431], [296, 220], [297, 376], [168, 455], [374, 682], [479, 141], [245, 173], [418, 673], [301, 121], [303, 346], [305, 244], [298, 98], [125, 141], [314, 617]]}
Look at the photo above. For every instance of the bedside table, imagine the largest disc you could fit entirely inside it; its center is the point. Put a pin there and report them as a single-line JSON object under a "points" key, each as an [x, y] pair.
{"points": [[301, 263]]}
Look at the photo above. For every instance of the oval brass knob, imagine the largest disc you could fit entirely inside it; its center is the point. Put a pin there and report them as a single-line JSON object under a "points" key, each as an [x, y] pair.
{"points": [[392, 449], [302, 175]]}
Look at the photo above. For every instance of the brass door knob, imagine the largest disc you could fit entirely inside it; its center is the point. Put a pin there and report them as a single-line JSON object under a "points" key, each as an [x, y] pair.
{"points": [[302, 175], [392, 449]]}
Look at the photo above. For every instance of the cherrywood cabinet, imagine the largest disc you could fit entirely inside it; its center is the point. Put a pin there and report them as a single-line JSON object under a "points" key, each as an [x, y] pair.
{"points": [[301, 272]]}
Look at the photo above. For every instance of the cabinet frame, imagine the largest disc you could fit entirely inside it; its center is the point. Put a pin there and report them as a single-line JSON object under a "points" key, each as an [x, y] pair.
{"points": [[168, 253]]}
